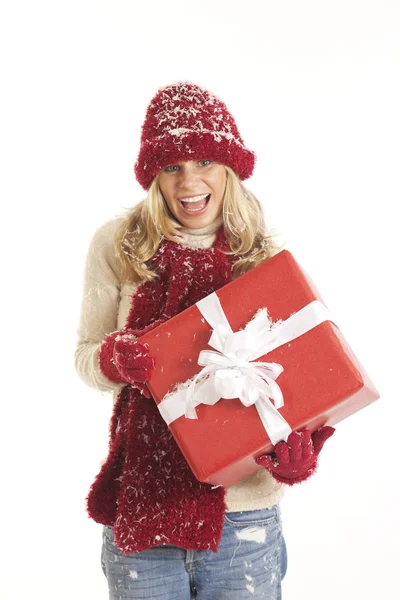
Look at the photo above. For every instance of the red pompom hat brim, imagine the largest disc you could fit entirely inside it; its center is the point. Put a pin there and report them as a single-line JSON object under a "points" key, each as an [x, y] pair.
{"points": [[186, 122]]}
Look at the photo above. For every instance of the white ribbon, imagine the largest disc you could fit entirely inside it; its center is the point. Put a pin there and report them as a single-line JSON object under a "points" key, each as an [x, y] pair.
{"points": [[229, 371]]}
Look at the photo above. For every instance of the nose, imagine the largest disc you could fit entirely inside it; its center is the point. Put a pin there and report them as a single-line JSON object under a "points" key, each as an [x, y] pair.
{"points": [[187, 176]]}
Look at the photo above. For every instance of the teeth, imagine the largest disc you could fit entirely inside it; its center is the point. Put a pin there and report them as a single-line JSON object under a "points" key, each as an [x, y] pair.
{"points": [[194, 199]]}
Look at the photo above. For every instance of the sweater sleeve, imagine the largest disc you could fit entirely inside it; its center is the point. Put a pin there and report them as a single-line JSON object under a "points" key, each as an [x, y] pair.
{"points": [[99, 307]]}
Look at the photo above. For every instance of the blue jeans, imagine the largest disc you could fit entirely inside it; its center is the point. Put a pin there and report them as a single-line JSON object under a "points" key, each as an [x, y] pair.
{"points": [[250, 563]]}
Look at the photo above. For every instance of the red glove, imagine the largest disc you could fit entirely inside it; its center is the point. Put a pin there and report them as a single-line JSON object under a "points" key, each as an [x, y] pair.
{"points": [[123, 359], [296, 460]]}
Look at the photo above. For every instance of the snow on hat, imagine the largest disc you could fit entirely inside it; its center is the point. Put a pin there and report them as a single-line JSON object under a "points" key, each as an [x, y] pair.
{"points": [[186, 122]]}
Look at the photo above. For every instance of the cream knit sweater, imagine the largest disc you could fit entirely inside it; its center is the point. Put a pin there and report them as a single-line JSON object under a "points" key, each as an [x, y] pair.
{"points": [[104, 309]]}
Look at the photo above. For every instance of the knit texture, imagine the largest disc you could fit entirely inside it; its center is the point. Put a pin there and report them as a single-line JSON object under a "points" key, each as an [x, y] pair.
{"points": [[145, 490], [186, 122]]}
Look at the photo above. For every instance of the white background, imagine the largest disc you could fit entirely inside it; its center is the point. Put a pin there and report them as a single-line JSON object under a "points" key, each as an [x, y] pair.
{"points": [[314, 88]]}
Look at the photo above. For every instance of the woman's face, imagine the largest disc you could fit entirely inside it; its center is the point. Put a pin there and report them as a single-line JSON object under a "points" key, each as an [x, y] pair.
{"points": [[194, 191]]}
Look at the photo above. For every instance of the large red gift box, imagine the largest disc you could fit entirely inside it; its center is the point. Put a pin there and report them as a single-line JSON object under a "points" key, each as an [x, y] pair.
{"points": [[322, 381]]}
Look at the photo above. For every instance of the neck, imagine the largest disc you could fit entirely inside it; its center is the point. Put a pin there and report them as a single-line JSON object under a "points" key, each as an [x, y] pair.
{"points": [[203, 237]]}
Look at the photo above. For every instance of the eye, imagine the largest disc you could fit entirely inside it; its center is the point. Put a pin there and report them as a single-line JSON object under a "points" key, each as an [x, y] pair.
{"points": [[206, 161], [171, 168]]}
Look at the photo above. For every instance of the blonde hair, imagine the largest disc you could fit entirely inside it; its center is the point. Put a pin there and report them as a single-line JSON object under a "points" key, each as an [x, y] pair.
{"points": [[147, 223]]}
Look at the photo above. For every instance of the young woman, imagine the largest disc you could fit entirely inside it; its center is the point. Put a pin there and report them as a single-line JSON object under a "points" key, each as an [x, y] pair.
{"points": [[166, 535]]}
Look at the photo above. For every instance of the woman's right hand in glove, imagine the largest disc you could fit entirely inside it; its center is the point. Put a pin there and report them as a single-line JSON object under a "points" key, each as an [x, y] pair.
{"points": [[123, 359]]}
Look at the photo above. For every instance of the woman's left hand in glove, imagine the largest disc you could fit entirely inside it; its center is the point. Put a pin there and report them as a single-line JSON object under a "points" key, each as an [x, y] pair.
{"points": [[296, 460]]}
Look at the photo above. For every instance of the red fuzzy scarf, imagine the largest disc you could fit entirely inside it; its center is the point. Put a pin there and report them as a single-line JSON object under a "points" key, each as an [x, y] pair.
{"points": [[145, 490]]}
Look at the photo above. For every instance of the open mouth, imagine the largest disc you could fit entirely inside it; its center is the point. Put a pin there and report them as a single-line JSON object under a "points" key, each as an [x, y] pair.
{"points": [[196, 205]]}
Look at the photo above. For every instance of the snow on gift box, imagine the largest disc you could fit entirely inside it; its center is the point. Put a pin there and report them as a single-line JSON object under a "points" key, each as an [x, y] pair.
{"points": [[266, 372]]}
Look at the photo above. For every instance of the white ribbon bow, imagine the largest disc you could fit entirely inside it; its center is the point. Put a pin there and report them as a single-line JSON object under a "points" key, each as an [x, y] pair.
{"points": [[229, 371]]}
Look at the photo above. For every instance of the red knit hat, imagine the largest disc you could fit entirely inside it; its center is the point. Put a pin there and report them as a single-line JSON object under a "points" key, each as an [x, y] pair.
{"points": [[186, 122]]}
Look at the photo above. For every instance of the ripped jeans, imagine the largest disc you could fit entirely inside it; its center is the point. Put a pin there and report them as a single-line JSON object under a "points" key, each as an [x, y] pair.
{"points": [[250, 563]]}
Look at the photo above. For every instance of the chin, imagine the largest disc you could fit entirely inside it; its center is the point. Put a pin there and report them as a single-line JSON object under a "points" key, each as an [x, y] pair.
{"points": [[198, 223]]}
